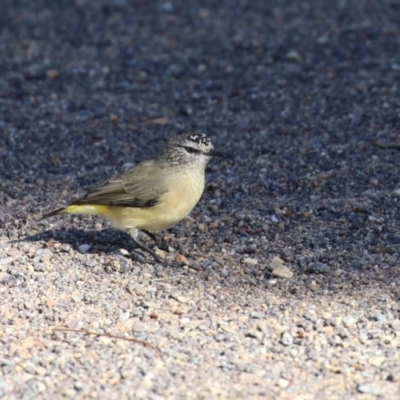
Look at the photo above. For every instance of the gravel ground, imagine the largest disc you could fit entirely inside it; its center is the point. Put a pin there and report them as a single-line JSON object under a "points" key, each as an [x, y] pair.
{"points": [[290, 288]]}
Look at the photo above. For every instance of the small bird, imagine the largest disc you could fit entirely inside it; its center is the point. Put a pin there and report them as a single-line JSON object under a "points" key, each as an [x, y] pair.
{"points": [[153, 195]]}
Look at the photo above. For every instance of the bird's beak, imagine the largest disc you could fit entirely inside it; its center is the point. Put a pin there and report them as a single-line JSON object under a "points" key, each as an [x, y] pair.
{"points": [[214, 153]]}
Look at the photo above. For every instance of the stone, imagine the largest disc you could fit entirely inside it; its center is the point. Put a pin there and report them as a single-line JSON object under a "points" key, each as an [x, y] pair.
{"points": [[282, 271]]}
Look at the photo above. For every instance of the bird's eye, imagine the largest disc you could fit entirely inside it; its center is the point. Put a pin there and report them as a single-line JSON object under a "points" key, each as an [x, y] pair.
{"points": [[190, 150]]}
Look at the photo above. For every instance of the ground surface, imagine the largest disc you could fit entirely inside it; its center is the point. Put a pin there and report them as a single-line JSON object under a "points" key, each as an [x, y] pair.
{"points": [[304, 95]]}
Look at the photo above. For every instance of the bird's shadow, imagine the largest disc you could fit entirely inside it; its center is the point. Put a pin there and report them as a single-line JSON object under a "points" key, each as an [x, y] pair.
{"points": [[105, 241]]}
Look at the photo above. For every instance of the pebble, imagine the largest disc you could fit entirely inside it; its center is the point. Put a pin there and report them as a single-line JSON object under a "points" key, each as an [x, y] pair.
{"points": [[281, 271], [358, 263], [250, 261], [65, 247], [6, 261], [201, 227], [83, 248], [181, 260], [138, 289], [322, 39], [52, 74], [379, 317], [312, 285], [318, 268], [327, 315], [363, 337], [50, 302], [283, 383], [77, 298], [349, 320], [120, 252], [202, 68], [311, 315], [29, 305], [125, 264], [369, 388], [160, 253], [90, 263], [395, 325], [123, 316], [375, 181], [286, 339], [224, 272], [186, 110], [293, 56], [220, 337], [337, 321], [39, 267], [376, 361], [274, 219], [275, 262]]}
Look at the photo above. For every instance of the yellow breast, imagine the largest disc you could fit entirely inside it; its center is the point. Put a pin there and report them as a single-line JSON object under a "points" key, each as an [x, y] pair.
{"points": [[184, 189]]}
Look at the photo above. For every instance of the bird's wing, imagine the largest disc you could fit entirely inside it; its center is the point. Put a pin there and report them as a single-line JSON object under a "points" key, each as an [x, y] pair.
{"points": [[137, 187]]}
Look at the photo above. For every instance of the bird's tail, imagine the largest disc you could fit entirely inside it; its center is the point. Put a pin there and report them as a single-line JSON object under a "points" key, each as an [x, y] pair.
{"points": [[84, 209], [54, 213]]}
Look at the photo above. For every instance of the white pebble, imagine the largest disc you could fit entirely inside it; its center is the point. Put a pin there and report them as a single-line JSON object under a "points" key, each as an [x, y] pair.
{"points": [[83, 248], [121, 252], [283, 383], [349, 320], [250, 261], [286, 339]]}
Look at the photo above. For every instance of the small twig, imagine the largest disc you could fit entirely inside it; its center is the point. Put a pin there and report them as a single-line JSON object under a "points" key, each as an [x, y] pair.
{"points": [[392, 145], [167, 279], [109, 335], [392, 245], [24, 226]]}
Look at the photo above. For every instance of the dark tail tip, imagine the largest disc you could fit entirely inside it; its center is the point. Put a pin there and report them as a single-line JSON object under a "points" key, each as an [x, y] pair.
{"points": [[53, 214]]}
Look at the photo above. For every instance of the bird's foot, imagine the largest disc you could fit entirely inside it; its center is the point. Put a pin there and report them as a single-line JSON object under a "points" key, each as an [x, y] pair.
{"points": [[161, 244], [143, 247]]}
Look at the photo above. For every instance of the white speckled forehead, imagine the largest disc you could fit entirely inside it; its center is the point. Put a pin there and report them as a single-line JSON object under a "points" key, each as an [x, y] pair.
{"points": [[200, 138], [196, 139]]}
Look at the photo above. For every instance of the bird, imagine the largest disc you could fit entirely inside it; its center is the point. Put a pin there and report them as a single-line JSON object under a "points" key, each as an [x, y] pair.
{"points": [[155, 194]]}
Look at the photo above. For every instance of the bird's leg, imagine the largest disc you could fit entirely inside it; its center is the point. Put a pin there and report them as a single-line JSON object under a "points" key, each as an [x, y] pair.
{"points": [[134, 233], [157, 240]]}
